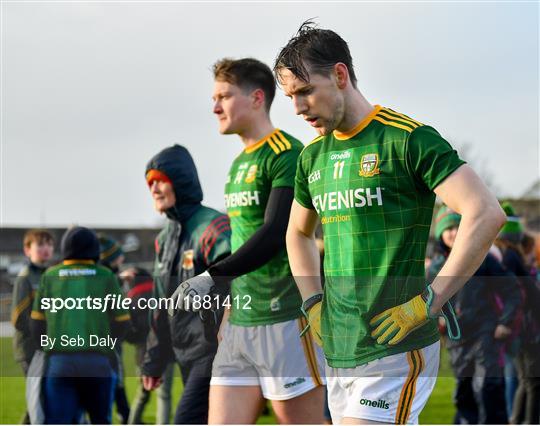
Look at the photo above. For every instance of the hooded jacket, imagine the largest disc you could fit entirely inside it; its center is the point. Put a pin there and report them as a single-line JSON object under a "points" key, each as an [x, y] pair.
{"points": [[193, 238]]}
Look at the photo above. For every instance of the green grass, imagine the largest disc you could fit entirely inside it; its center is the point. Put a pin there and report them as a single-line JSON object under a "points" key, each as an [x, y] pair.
{"points": [[439, 409]]}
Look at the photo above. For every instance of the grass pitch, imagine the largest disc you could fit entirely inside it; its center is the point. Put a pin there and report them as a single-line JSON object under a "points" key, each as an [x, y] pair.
{"points": [[439, 409]]}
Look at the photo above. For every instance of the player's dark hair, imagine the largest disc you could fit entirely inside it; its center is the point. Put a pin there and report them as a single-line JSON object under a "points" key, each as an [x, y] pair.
{"points": [[248, 74], [316, 50]]}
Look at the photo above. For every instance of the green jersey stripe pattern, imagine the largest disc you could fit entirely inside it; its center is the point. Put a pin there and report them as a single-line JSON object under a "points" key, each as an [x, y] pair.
{"points": [[267, 295], [373, 191]]}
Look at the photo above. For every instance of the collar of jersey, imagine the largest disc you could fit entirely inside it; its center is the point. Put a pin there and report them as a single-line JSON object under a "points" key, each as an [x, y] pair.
{"points": [[78, 262], [359, 127], [260, 142]]}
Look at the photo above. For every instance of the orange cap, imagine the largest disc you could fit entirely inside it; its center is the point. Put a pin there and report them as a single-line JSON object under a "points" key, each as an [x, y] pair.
{"points": [[154, 174]]}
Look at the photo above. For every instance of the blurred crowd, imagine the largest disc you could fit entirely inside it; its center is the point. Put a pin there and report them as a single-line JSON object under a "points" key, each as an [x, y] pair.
{"points": [[496, 361]]}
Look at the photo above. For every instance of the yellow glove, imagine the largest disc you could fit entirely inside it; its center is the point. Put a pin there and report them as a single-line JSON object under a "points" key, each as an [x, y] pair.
{"points": [[394, 324], [311, 309]]}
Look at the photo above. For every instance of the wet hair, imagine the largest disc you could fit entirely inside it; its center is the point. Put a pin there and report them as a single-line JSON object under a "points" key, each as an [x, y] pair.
{"points": [[248, 74], [314, 50], [38, 236]]}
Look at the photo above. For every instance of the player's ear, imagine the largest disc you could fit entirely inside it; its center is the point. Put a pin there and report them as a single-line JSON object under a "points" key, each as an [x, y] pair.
{"points": [[258, 98], [342, 74]]}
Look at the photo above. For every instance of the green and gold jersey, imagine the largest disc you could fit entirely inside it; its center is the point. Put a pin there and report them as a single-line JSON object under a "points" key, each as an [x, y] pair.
{"points": [[373, 191], [91, 300], [267, 295]]}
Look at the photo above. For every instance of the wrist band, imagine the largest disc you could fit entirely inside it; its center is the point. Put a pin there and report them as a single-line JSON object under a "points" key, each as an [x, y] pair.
{"points": [[311, 301], [447, 312]]}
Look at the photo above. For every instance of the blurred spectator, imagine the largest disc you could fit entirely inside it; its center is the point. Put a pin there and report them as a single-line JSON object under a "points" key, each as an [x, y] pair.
{"points": [[193, 238], [528, 248], [111, 256], [38, 246], [79, 342], [477, 357], [526, 409]]}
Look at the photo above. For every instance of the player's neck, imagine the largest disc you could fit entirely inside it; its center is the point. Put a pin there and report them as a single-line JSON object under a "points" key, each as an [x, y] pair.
{"points": [[356, 109], [259, 128]]}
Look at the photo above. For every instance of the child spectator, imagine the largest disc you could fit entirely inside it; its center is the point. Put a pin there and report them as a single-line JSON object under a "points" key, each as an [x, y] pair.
{"points": [[38, 246]]}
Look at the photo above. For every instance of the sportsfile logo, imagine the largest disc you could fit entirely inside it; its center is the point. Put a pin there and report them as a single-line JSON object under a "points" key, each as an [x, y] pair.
{"points": [[381, 403], [352, 198]]}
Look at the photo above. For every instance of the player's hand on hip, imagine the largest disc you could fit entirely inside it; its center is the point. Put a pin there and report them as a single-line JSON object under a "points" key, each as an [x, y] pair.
{"points": [[311, 308], [393, 325], [189, 295]]}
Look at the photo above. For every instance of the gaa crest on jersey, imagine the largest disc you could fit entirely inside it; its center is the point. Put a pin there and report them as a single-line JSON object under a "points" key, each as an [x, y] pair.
{"points": [[187, 262], [369, 165], [251, 174]]}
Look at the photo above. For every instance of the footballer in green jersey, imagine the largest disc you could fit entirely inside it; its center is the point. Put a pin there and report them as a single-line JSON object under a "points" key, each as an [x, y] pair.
{"points": [[271, 294], [375, 204], [261, 353], [372, 178]]}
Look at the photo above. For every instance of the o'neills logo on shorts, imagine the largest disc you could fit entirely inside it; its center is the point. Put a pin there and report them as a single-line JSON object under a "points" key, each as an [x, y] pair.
{"points": [[298, 381], [381, 403]]}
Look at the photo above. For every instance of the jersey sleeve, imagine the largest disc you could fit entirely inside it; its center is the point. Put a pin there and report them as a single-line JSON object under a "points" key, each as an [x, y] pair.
{"points": [[301, 189], [430, 157], [21, 303], [283, 168], [215, 241]]}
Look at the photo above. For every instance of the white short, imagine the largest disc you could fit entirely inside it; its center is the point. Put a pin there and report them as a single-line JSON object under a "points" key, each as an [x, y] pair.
{"points": [[273, 357], [393, 389]]}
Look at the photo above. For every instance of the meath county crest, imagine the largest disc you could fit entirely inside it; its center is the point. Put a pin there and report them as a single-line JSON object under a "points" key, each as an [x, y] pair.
{"points": [[369, 165], [187, 262], [251, 174]]}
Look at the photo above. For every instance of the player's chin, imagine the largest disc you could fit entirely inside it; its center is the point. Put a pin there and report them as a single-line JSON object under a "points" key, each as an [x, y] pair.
{"points": [[225, 128], [323, 130]]}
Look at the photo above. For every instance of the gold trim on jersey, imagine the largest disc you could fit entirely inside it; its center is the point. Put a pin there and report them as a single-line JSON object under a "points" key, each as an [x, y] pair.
{"points": [[314, 141], [122, 318], [37, 315], [259, 143], [276, 140], [416, 365], [23, 304], [359, 127], [406, 127], [310, 353], [397, 120], [400, 115], [78, 262]]}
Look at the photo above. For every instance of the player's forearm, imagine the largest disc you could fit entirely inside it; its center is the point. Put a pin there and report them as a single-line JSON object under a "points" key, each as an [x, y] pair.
{"points": [[478, 228], [305, 262]]}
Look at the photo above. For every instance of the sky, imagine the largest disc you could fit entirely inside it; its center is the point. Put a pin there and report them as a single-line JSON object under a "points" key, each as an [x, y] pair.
{"points": [[90, 91]]}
